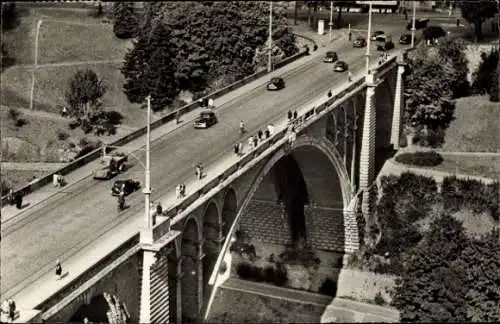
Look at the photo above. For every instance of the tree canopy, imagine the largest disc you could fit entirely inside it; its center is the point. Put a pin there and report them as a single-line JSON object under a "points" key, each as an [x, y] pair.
{"points": [[476, 12], [208, 40], [83, 94], [450, 277], [486, 76], [125, 22]]}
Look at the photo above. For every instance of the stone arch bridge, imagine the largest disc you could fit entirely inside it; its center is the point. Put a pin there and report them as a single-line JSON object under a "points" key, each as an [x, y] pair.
{"points": [[305, 184]]}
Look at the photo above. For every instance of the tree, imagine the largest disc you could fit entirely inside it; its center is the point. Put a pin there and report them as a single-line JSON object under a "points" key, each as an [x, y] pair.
{"points": [[125, 23], [449, 276], [432, 285], [476, 12], [149, 68], [495, 85], [433, 32], [83, 94], [484, 77]]}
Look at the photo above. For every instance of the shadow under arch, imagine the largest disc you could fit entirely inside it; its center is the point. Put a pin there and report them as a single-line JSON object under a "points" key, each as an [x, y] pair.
{"points": [[229, 211], [192, 272], [95, 311], [212, 241]]}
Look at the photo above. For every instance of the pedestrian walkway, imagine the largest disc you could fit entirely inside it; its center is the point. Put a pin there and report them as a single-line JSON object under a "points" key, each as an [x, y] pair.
{"points": [[358, 311]]}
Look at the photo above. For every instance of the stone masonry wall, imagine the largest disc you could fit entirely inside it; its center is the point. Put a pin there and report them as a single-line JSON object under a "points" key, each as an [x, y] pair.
{"points": [[266, 222], [325, 229], [160, 290]]}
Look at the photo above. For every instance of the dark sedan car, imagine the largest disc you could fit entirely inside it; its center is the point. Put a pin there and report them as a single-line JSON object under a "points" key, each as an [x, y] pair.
{"points": [[386, 46], [330, 57], [126, 186], [340, 66], [405, 39], [276, 84], [206, 119], [377, 35], [359, 42]]}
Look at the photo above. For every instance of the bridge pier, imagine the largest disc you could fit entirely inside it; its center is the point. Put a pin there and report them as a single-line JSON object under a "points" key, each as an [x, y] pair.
{"points": [[367, 158], [398, 106]]}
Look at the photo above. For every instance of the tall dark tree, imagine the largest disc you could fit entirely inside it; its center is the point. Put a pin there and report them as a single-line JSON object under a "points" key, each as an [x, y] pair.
{"points": [[476, 12], [495, 85], [149, 68], [484, 76], [8, 16], [125, 22]]}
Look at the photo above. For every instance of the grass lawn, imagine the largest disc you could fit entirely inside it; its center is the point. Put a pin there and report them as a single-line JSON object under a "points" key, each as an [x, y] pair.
{"points": [[69, 14], [66, 42], [475, 128], [480, 166], [238, 307], [21, 39], [51, 83]]}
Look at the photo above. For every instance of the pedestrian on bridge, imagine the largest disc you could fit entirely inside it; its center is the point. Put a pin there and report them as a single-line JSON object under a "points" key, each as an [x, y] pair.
{"points": [[290, 115], [329, 94], [267, 134], [236, 147], [240, 148], [250, 143], [295, 114], [58, 270], [349, 76], [260, 134], [270, 128], [210, 103], [255, 141], [199, 171], [177, 117]]}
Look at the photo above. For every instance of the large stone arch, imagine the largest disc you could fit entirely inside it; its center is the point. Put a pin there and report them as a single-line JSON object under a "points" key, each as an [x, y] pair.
{"points": [[103, 308], [191, 280], [229, 210], [301, 150], [212, 242]]}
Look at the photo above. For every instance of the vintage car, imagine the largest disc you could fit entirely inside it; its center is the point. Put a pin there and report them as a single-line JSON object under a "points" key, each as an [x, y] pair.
{"points": [[378, 35], [340, 66], [110, 165], [405, 39], [330, 57], [126, 186], [206, 119], [386, 46], [359, 42], [276, 84]]}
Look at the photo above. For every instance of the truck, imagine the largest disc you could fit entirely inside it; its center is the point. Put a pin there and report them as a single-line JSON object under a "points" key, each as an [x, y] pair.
{"points": [[110, 165]]}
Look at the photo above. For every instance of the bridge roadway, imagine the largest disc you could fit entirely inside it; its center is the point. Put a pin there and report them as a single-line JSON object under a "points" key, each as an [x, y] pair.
{"points": [[36, 240]]}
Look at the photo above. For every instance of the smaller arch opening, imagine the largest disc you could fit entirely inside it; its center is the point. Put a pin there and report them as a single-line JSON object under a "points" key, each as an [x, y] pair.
{"points": [[229, 211], [190, 268], [95, 311]]}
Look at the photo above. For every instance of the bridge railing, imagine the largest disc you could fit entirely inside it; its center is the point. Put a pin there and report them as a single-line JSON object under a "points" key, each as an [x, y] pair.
{"points": [[95, 154]]}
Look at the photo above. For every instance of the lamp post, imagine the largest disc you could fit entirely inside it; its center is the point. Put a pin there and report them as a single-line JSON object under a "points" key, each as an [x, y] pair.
{"points": [[413, 25], [369, 38], [270, 41], [331, 19], [147, 232], [37, 34]]}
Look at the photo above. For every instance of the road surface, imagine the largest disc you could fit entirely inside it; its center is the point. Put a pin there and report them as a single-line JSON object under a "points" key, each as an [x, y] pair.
{"points": [[63, 223]]}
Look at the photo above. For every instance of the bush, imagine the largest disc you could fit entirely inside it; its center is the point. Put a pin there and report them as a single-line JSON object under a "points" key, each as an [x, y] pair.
{"points": [[62, 136], [379, 300], [471, 194], [73, 124], [244, 271], [328, 288], [21, 122], [13, 113], [280, 276], [430, 158], [86, 127]]}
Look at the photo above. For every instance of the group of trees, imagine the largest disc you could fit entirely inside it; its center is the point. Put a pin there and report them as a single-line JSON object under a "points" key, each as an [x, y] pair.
{"points": [[125, 21], [449, 276], [435, 76], [188, 45], [477, 11], [487, 75]]}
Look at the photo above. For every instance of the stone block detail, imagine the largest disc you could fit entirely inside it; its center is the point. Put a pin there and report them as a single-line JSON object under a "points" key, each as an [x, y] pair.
{"points": [[367, 158], [160, 291], [266, 221], [398, 104], [325, 229]]}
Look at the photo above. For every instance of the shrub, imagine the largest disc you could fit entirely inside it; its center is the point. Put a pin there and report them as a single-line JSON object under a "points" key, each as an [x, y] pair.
{"points": [[21, 122], [328, 288], [86, 127], [73, 124], [379, 300], [244, 271], [13, 113], [83, 142], [430, 158], [472, 194], [62, 136], [257, 274], [280, 276]]}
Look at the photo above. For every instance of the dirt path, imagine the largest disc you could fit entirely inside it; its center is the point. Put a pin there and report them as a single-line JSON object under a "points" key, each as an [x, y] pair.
{"points": [[51, 65]]}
